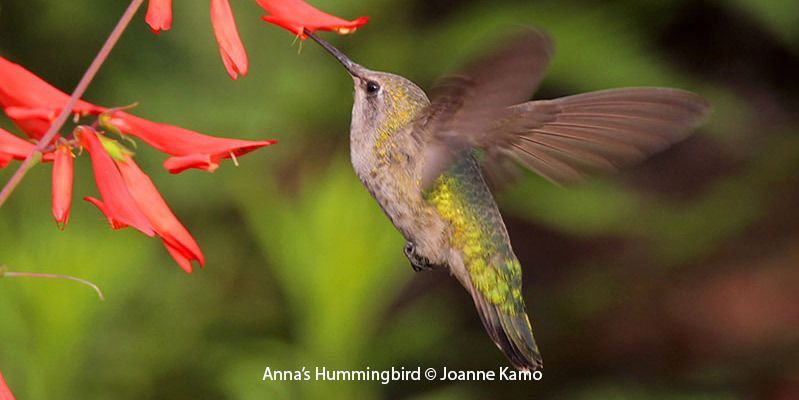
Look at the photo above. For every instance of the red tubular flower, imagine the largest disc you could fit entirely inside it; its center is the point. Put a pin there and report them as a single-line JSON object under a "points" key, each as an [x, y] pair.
{"points": [[5, 392], [297, 15], [20, 88], [131, 199], [63, 172], [30, 102], [227, 36], [128, 196], [159, 15], [191, 149], [33, 121], [13, 148], [118, 205], [177, 240]]}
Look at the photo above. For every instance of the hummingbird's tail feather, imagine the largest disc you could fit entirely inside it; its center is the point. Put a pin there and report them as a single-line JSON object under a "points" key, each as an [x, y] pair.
{"points": [[511, 333]]}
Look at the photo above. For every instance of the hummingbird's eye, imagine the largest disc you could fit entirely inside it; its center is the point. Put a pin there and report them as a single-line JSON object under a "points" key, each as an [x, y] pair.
{"points": [[372, 87]]}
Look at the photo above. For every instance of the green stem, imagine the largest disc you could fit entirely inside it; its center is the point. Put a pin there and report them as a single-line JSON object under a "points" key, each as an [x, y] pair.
{"points": [[5, 273]]}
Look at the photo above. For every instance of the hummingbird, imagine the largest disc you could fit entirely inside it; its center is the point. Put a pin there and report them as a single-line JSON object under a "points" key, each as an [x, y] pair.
{"points": [[424, 160]]}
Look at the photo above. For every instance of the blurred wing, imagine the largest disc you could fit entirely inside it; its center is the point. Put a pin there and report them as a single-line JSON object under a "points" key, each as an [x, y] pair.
{"points": [[464, 105], [566, 139]]}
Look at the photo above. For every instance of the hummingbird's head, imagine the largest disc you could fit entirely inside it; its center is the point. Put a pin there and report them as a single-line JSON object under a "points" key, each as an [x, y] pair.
{"points": [[383, 102]]}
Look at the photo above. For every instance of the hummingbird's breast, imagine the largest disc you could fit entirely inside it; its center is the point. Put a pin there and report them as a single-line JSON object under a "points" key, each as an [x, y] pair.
{"points": [[388, 162]]}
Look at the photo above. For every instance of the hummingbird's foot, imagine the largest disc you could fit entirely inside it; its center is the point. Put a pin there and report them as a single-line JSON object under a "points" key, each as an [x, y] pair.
{"points": [[418, 262]]}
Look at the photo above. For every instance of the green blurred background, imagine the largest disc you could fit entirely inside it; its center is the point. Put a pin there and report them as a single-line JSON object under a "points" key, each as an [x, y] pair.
{"points": [[674, 280]]}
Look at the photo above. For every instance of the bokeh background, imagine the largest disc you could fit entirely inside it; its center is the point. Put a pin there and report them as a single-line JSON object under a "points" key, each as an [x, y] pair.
{"points": [[676, 279]]}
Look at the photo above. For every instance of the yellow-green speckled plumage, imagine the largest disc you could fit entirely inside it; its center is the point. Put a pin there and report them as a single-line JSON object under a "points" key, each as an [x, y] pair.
{"points": [[415, 157], [476, 229], [461, 198], [455, 223]]}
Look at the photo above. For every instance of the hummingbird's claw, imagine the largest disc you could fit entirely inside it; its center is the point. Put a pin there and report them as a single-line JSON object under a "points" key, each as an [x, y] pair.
{"points": [[418, 262]]}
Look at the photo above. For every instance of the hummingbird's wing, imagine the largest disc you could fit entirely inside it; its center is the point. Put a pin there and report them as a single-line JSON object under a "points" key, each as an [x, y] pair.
{"points": [[464, 105], [566, 139]]}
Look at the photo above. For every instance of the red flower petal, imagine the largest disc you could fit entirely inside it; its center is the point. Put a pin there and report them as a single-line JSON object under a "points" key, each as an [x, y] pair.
{"points": [[13, 148], [178, 241], [33, 121], [296, 15], [32, 104], [5, 392], [27, 99], [176, 165], [21, 88], [63, 172], [193, 150], [118, 205], [180, 258], [159, 15], [115, 223], [227, 36]]}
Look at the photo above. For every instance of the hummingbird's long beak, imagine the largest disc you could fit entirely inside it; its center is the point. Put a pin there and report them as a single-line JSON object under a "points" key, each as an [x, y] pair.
{"points": [[353, 68]]}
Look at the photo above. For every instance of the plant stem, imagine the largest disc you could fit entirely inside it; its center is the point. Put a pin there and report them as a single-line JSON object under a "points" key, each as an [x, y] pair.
{"points": [[4, 273], [87, 78]]}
